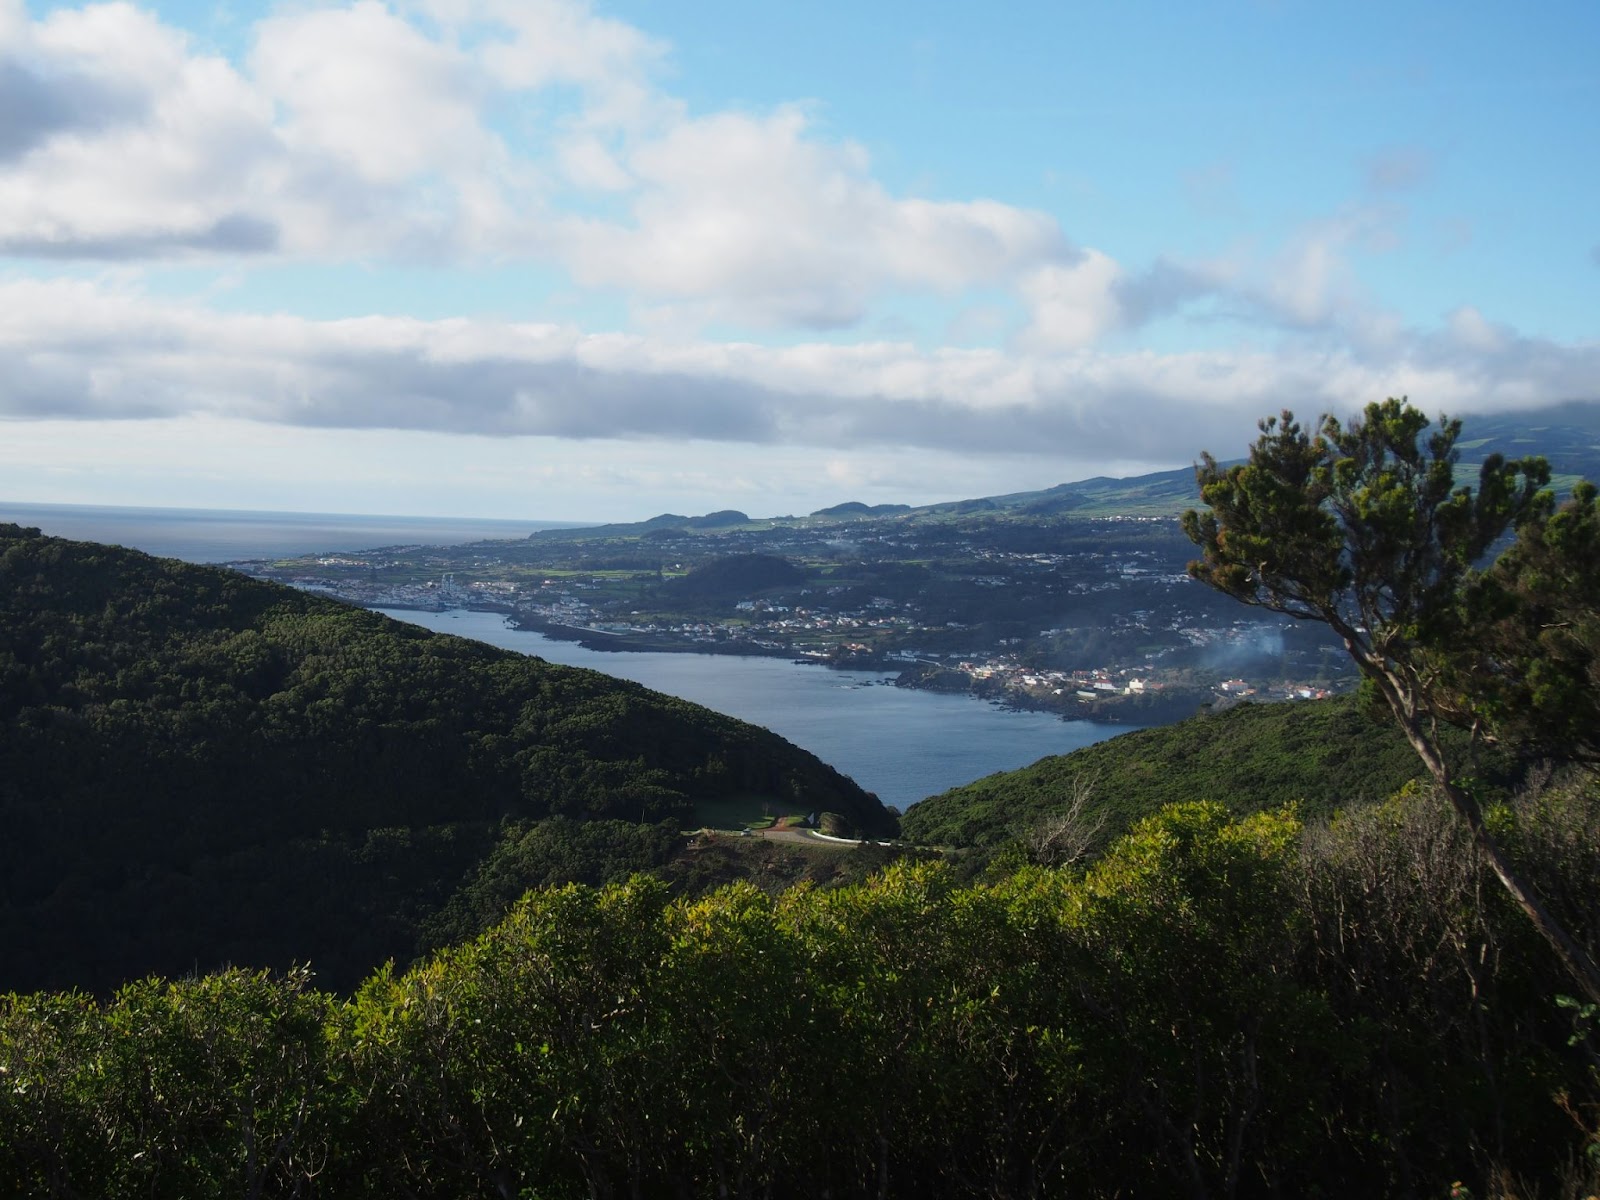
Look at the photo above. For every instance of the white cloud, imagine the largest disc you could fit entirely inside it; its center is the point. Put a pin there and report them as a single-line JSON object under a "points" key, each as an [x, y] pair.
{"points": [[1399, 169], [206, 462], [588, 163], [1073, 305], [364, 88], [752, 217], [536, 131], [1309, 283], [96, 353], [181, 166], [1078, 304], [364, 131], [1473, 331], [351, 134], [531, 45]]}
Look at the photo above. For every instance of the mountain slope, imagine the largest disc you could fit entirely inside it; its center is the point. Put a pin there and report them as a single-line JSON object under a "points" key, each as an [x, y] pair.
{"points": [[1572, 450], [198, 767], [1322, 755], [1568, 436]]}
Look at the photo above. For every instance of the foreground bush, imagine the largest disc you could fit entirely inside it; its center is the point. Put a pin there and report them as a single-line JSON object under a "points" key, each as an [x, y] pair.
{"points": [[1218, 1007]]}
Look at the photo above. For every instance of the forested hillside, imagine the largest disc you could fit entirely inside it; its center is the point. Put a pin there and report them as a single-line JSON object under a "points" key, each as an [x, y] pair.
{"points": [[198, 768], [1321, 755]]}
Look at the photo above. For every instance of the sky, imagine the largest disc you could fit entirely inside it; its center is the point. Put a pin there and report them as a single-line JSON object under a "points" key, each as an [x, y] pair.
{"points": [[545, 259]]}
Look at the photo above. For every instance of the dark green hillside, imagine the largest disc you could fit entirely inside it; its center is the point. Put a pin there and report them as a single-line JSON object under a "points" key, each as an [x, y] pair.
{"points": [[1572, 449], [726, 580], [197, 767], [855, 508], [1324, 755], [726, 518]]}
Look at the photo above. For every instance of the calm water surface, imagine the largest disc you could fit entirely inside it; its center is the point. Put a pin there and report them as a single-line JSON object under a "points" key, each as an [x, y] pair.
{"points": [[223, 535], [900, 743]]}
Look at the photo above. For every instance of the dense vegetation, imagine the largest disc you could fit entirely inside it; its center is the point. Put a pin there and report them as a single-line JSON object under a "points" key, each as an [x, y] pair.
{"points": [[1367, 527], [1216, 1008], [1322, 755], [198, 768], [725, 581]]}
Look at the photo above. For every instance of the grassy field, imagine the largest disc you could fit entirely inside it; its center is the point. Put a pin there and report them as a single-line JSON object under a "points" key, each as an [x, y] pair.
{"points": [[757, 812]]}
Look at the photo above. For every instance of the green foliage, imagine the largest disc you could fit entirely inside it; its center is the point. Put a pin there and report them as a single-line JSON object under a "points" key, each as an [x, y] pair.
{"points": [[1218, 1007], [209, 1087], [1323, 755], [1413, 936], [1529, 673], [1361, 527], [545, 854], [1191, 925], [723, 581]]}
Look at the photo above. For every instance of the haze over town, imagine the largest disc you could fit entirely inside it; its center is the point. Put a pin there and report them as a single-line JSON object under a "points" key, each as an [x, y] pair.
{"points": [[541, 258]]}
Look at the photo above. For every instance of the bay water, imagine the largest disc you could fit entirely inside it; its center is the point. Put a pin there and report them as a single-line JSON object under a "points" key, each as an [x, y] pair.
{"points": [[901, 743], [214, 535]]}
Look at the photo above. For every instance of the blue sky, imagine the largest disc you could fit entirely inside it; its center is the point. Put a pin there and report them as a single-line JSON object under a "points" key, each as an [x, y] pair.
{"points": [[540, 258]]}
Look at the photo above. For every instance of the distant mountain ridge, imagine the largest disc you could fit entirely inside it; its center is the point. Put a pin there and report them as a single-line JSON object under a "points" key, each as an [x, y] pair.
{"points": [[855, 508], [1568, 436]]}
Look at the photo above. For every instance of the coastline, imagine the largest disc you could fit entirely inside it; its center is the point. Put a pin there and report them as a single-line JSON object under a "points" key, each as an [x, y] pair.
{"points": [[913, 678], [624, 643], [903, 744]]}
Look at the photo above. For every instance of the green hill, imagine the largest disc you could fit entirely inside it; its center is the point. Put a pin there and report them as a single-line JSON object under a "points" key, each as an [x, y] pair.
{"points": [[200, 768], [1160, 494], [1558, 434], [725, 580], [1323, 755], [1573, 450], [663, 523], [855, 508], [1567, 435]]}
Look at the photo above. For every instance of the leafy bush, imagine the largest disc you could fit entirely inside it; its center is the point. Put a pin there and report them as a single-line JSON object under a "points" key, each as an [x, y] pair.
{"points": [[1218, 1007]]}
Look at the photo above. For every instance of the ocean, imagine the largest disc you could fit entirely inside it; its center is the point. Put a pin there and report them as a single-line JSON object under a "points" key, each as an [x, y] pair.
{"points": [[227, 535], [901, 743]]}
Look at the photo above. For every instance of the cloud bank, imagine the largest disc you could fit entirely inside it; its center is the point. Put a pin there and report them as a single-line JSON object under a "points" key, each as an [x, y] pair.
{"points": [[537, 133], [94, 352]]}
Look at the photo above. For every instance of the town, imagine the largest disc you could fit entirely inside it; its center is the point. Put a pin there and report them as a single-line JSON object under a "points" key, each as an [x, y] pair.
{"points": [[1091, 617]]}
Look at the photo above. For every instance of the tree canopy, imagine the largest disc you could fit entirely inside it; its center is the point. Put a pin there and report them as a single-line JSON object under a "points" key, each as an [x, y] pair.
{"points": [[1360, 526], [1364, 527], [1526, 666]]}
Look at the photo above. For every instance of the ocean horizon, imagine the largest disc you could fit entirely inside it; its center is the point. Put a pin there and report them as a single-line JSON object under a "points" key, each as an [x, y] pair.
{"points": [[220, 535]]}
